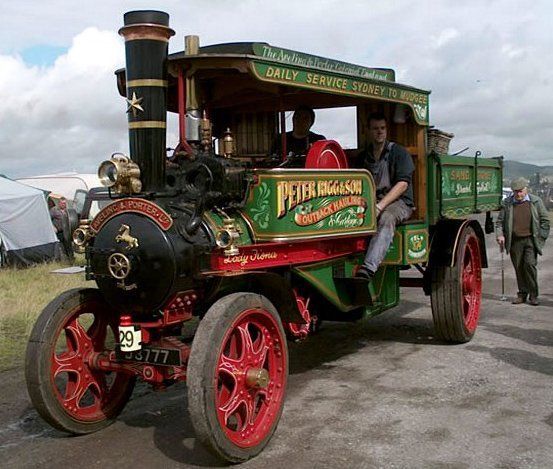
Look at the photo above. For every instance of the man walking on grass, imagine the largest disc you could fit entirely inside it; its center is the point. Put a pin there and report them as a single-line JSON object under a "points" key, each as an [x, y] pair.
{"points": [[522, 228]]}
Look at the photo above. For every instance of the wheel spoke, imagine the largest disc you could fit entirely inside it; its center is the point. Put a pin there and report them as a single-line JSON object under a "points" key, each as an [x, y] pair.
{"points": [[66, 363], [81, 340], [98, 332], [76, 391], [98, 380], [250, 410], [232, 406], [468, 301], [230, 365], [254, 355], [468, 282], [246, 338], [259, 355]]}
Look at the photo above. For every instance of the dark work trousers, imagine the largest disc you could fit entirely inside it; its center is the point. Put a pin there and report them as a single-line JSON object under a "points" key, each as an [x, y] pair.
{"points": [[525, 260]]}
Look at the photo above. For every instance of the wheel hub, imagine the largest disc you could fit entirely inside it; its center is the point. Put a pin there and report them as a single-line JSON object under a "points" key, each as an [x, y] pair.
{"points": [[257, 378]]}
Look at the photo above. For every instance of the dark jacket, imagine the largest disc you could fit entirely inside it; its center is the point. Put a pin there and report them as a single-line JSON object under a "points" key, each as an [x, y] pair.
{"points": [[400, 164], [540, 222], [296, 146]]}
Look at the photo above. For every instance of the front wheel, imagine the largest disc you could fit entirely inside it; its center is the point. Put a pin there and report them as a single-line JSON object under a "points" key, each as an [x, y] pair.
{"points": [[63, 384], [237, 376], [456, 293]]}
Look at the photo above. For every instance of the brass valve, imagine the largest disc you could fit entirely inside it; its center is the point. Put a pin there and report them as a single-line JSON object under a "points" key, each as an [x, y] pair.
{"points": [[205, 132], [229, 148]]}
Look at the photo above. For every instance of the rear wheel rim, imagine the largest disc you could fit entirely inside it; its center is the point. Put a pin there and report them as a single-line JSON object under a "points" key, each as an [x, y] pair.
{"points": [[471, 280], [86, 394], [250, 378]]}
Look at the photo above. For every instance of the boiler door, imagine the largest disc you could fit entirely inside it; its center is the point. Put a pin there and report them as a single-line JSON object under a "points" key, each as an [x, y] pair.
{"points": [[134, 263]]}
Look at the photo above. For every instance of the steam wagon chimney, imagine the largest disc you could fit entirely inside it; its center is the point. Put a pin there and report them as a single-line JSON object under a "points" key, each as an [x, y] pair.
{"points": [[147, 36]]}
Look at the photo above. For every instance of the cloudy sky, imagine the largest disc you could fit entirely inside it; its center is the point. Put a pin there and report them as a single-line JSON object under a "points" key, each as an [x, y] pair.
{"points": [[488, 64]]}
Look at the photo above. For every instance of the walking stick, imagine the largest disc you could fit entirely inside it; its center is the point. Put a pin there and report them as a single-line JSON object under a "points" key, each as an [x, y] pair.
{"points": [[503, 297]]}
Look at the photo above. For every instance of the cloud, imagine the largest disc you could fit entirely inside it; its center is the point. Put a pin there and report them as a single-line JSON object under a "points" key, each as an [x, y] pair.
{"points": [[487, 64], [64, 117]]}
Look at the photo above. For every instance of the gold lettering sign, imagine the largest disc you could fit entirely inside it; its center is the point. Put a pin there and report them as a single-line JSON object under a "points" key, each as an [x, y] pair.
{"points": [[255, 256], [305, 219], [292, 193], [144, 207], [460, 175]]}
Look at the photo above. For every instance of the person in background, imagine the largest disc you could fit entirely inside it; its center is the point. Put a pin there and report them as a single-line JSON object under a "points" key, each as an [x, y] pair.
{"points": [[300, 138], [392, 169], [521, 229], [56, 214]]}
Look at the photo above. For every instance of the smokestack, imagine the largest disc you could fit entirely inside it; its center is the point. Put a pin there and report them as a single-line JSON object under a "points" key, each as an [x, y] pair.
{"points": [[147, 36]]}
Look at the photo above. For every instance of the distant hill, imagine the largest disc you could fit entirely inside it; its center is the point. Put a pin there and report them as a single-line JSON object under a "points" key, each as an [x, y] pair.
{"points": [[514, 169]]}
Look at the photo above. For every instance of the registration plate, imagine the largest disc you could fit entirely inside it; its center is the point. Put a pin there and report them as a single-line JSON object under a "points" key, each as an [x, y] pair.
{"points": [[151, 355]]}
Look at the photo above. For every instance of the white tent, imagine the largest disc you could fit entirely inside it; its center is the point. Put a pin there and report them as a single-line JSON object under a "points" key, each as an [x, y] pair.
{"points": [[26, 232], [65, 184]]}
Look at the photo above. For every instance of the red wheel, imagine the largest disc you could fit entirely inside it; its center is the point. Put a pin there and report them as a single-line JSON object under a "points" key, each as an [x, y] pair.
{"points": [[65, 387], [326, 154], [472, 283], [237, 376], [312, 322], [456, 292]]}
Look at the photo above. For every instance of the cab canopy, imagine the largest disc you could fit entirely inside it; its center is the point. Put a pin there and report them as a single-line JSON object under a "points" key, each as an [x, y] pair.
{"points": [[246, 87], [258, 76]]}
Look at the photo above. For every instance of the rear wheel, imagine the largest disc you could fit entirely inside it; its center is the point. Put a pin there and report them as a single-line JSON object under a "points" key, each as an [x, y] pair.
{"points": [[456, 293], [237, 376], [64, 386]]}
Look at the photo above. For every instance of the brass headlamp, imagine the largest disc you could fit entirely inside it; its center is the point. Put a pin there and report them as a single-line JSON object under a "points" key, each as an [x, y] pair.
{"points": [[227, 236], [121, 173], [81, 236]]}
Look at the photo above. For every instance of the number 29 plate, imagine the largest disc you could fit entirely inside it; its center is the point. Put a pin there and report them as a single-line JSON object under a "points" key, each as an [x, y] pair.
{"points": [[151, 355]]}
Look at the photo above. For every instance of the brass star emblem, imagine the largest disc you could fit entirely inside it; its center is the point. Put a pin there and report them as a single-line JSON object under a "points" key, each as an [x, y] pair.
{"points": [[134, 104]]}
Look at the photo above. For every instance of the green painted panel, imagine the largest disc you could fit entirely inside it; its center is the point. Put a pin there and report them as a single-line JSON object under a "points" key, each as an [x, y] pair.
{"points": [[452, 185], [409, 246], [415, 244], [286, 204], [338, 83], [384, 289], [320, 275], [290, 57]]}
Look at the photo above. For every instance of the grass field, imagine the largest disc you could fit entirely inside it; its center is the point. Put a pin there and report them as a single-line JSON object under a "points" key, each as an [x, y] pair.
{"points": [[23, 295]]}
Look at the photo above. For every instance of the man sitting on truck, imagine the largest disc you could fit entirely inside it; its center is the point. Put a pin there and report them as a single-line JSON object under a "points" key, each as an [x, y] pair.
{"points": [[300, 138], [392, 169]]}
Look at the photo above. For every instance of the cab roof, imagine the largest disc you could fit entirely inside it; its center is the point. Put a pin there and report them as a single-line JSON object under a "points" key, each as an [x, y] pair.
{"points": [[262, 76]]}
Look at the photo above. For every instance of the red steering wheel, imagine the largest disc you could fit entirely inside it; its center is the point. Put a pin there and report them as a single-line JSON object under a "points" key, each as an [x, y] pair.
{"points": [[326, 154]]}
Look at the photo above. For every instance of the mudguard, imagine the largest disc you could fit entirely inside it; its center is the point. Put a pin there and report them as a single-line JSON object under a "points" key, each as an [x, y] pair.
{"points": [[444, 239]]}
